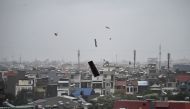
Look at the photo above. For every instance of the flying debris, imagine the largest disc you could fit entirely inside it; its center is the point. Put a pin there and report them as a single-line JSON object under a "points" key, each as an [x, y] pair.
{"points": [[93, 69], [95, 43], [129, 62], [107, 27], [56, 34]]}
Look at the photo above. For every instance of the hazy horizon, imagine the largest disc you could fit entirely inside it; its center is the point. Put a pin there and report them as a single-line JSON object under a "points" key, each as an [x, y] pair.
{"points": [[28, 27]]}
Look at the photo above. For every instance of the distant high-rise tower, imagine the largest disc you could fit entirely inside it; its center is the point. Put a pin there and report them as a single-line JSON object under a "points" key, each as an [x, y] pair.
{"points": [[20, 60], [78, 59], [134, 58], [116, 59], [78, 54], [169, 61], [160, 53]]}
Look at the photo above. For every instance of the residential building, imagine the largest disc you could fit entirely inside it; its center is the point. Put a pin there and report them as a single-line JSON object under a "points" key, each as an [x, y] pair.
{"points": [[108, 82], [41, 88], [86, 80], [11, 78], [142, 86], [63, 87], [51, 90], [183, 82], [97, 84], [75, 78], [28, 86], [120, 85], [131, 87], [181, 67], [24, 84]]}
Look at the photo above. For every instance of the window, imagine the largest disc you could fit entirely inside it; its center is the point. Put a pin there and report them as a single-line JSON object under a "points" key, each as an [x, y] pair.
{"points": [[127, 89], [101, 72], [72, 76], [63, 93], [112, 77], [97, 85], [111, 84], [107, 84], [105, 76], [169, 84], [131, 89], [135, 89]]}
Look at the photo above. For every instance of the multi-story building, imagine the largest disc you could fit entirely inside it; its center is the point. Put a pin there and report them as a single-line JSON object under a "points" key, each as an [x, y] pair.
{"points": [[97, 83], [86, 80], [11, 78], [183, 82], [152, 70], [108, 82], [51, 90], [2, 93], [132, 87], [181, 67], [120, 85], [24, 84], [75, 79], [41, 87], [63, 87], [105, 82], [142, 86]]}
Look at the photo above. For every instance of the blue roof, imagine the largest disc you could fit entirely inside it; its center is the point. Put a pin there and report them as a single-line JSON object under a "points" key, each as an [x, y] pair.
{"points": [[86, 92]]}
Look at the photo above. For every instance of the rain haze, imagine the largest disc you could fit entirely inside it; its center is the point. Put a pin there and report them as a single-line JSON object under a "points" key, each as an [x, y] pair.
{"points": [[28, 27]]}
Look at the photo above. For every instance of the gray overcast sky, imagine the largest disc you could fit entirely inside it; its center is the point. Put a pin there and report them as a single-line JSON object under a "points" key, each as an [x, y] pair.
{"points": [[27, 29]]}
